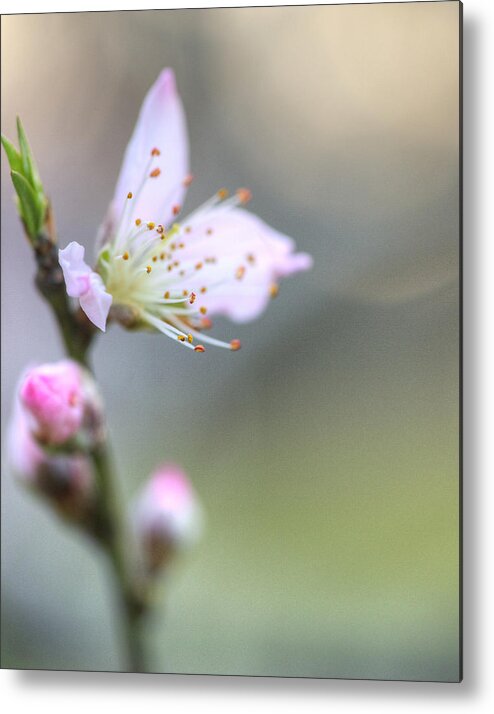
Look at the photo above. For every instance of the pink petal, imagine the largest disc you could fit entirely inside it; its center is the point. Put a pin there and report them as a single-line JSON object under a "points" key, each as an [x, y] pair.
{"points": [[75, 270], [237, 240], [85, 284], [161, 124], [96, 302]]}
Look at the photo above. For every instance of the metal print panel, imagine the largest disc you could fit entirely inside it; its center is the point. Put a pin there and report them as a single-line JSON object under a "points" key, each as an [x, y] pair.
{"points": [[231, 341]]}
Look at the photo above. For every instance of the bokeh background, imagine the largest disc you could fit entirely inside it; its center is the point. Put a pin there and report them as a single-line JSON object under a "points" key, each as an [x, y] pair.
{"points": [[326, 450]]}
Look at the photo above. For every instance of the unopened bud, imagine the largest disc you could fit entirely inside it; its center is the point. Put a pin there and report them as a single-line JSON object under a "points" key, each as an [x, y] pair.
{"points": [[168, 517], [61, 402], [65, 480]]}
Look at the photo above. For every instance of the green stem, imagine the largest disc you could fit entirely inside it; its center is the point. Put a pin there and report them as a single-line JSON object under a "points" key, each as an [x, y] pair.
{"points": [[77, 334]]}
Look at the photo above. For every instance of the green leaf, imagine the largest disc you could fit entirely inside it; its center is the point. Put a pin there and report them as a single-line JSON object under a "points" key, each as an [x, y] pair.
{"points": [[15, 160], [29, 207], [28, 164]]}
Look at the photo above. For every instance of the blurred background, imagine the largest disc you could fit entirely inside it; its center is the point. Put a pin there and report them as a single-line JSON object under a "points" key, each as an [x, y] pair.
{"points": [[326, 450]]}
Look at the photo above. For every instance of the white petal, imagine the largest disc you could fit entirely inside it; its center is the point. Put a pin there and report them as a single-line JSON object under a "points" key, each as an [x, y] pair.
{"points": [[96, 302], [75, 270], [161, 124]]}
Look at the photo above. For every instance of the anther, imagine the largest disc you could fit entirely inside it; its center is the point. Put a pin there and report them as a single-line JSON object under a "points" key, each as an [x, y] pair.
{"points": [[181, 338], [274, 290], [125, 256], [244, 195], [198, 265], [155, 172], [190, 338], [150, 225], [155, 258], [185, 293], [192, 298], [203, 310], [222, 194], [176, 209], [160, 229], [240, 272], [188, 180], [138, 221], [203, 289], [129, 195], [199, 348], [235, 345], [188, 229], [209, 231], [155, 152], [251, 258], [166, 295], [148, 269]]}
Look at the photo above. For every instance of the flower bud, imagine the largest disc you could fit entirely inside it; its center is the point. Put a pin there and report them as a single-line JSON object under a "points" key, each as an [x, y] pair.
{"points": [[66, 480], [168, 517], [59, 399]]}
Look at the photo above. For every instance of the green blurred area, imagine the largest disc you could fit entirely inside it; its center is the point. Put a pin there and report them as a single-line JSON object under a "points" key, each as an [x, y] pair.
{"points": [[326, 450]]}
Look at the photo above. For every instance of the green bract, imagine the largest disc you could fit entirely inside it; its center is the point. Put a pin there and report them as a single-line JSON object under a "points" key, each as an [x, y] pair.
{"points": [[32, 203]]}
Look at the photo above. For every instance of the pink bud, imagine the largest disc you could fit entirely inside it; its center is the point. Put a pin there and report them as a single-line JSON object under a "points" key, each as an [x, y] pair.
{"points": [[66, 480], [53, 397], [168, 515]]}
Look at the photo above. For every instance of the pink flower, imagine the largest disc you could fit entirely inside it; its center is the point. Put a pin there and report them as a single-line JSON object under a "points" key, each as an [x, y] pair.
{"points": [[168, 514], [53, 397], [221, 259]]}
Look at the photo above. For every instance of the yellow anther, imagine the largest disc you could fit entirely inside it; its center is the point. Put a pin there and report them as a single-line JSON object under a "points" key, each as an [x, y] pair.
{"points": [[138, 221], [148, 269], [166, 295], [155, 173], [129, 195], [181, 338], [240, 272], [155, 152], [203, 289], [125, 256], [190, 338], [274, 290], [150, 225], [203, 310]]}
